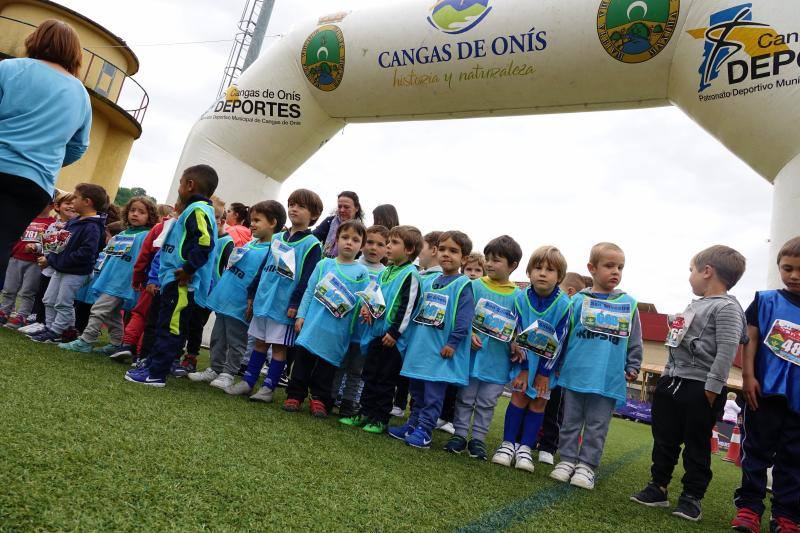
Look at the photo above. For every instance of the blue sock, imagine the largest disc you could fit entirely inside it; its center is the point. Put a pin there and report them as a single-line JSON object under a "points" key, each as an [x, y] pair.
{"points": [[530, 431], [514, 417], [274, 373], [257, 360]]}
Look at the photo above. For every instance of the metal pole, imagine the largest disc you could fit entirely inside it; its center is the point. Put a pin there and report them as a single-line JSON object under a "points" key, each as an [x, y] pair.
{"points": [[259, 33]]}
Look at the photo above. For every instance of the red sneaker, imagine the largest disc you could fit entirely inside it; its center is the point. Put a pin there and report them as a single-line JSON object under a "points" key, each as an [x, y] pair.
{"points": [[746, 520], [16, 322], [781, 524], [291, 405], [318, 409]]}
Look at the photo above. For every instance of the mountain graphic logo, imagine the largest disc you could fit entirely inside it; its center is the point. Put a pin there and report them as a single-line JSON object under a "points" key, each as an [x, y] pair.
{"points": [[458, 16], [634, 31]]}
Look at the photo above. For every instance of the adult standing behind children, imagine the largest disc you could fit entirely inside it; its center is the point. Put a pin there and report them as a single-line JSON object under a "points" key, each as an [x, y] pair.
{"points": [[237, 224], [385, 215], [348, 207], [45, 118]]}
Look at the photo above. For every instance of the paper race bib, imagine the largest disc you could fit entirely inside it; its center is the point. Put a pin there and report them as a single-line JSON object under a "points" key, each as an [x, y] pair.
{"points": [[678, 326], [494, 320], [334, 295], [608, 318], [284, 259], [55, 242], [120, 245], [34, 232], [372, 296], [432, 309], [540, 338], [783, 340]]}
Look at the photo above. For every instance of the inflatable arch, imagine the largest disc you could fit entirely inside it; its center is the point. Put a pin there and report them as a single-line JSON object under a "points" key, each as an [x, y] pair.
{"points": [[732, 66]]}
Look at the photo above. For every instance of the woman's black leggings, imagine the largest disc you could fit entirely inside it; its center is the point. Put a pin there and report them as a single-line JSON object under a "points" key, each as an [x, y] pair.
{"points": [[20, 201]]}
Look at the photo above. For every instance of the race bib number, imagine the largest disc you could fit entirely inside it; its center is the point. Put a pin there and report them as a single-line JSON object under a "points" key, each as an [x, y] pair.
{"points": [[55, 242], [678, 326], [432, 309], [540, 338], [120, 245], [284, 259], [236, 255], [494, 320], [334, 295], [372, 296], [607, 318], [784, 341], [34, 232], [100, 263]]}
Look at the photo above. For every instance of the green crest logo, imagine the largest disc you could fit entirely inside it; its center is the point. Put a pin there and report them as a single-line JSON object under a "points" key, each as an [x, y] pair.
{"points": [[633, 31], [322, 58]]}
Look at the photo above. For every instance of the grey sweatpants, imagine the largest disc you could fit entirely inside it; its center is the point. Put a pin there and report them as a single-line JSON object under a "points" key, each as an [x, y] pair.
{"points": [[347, 379], [590, 415], [22, 281], [106, 310], [228, 344], [476, 402], [59, 300]]}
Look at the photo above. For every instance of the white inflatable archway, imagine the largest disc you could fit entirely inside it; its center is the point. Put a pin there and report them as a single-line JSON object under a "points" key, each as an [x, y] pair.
{"points": [[732, 66]]}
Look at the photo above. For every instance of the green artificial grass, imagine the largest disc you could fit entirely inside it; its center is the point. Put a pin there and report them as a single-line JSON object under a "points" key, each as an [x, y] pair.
{"points": [[83, 449]]}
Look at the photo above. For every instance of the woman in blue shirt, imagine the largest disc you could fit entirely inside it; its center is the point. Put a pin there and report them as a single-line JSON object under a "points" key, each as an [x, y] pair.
{"points": [[45, 118]]}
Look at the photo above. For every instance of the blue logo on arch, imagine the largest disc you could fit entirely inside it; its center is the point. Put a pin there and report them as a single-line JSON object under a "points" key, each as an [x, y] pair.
{"points": [[458, 16]]}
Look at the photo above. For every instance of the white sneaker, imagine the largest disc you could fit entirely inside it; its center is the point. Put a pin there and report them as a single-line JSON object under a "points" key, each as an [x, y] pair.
{"points": [[447, 427], [504, 454], [546, 458], [32, 329], [264, 394], [583, 477], [206, 376], [239, 389], [563, 471], [524, 460], [396, 411], [223, 381]]}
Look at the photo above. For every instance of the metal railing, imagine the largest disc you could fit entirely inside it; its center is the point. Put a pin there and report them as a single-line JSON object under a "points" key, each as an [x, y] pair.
{"points": [[101, 76]]}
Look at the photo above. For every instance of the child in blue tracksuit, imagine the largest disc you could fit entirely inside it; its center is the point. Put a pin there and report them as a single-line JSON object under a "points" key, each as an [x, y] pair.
{"points": [[771, 376], [326, 321], [80, 242], [438, 350], [228, 298], [604, 350], [275, 295], [112, 289], [544, 317], [493, 329], [184, 274]]}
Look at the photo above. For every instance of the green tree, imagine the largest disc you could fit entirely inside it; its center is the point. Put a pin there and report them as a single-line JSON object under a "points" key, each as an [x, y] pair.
{"points": [[124, 194]]}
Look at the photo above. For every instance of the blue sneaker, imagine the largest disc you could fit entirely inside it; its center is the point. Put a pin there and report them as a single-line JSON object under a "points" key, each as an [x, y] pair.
{"points": [[419, 439], [46, 337], [142, 376], [401, 432], [108, 349], [456, 444], [76, 346]]}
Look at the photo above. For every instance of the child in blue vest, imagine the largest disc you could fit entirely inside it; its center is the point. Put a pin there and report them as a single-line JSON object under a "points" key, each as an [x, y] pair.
{"points": [[771, 375], [388, 307], [275, 295], [228, 298], [112, 290], [604, 350], [184, 273], [493, 327], [326, 321], [543, 312], [690, 395], [438, 351], [347, 382]]}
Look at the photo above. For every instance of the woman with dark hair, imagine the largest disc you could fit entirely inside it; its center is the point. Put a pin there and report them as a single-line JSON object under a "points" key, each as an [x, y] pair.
{"points": [[385, 215], [237, 224], [348, 208], [45, 118]]}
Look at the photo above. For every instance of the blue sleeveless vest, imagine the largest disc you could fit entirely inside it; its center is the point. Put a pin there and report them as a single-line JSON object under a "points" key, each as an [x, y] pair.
{"points": [[85, 294], [324, 334], [425, 342], [229, 295], [778, 355], [391, 281], [172, 249], [595, 362], [528, 315], [277, 284], [219, 269], [117, 274], [492, 363], [363, 332]]}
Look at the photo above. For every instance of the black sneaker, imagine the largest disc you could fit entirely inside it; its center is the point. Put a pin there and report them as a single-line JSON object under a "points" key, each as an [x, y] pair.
{"points": [[47, 337], [477, 449], [126, 351], [284, 381], [651, 496], [456, 444], [688, 508]]}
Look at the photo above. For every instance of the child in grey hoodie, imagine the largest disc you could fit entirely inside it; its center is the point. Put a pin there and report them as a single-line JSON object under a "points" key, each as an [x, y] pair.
{"points": [[690, 395]]}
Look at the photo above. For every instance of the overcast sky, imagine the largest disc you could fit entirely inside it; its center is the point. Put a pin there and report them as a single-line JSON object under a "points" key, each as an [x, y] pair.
{"points": [[651, 181]]}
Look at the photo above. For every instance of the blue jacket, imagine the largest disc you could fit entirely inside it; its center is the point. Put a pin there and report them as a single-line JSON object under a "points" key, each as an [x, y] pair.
{"points": [[152, 274], [87, 237]]}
